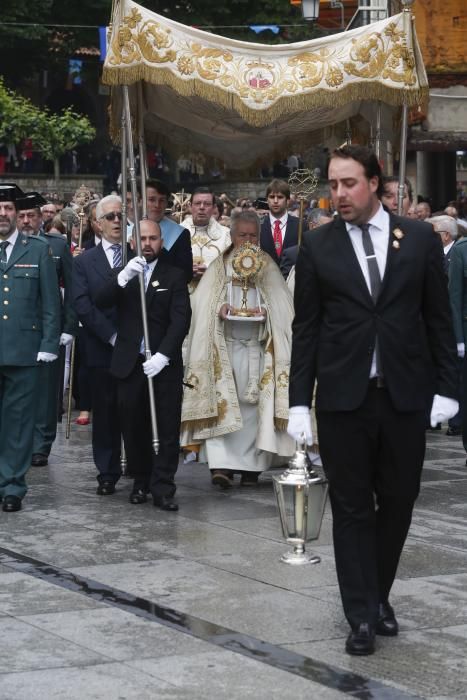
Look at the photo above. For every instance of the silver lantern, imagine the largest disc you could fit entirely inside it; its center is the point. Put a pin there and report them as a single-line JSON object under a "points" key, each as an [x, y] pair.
{"points": [[301, 498]]}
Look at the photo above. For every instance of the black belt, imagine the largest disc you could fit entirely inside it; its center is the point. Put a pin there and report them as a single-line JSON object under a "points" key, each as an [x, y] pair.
{"points": [[377, 383]]}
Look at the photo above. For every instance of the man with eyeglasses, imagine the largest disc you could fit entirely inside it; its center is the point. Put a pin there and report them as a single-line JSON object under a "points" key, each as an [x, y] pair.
{"points": [[48, 212], [91, 270]]}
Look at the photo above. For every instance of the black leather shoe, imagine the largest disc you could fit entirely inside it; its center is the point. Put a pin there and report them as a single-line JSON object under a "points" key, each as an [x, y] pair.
{"points": [[387, 624], [138, 496], [105, 488], [361, 640], [166, 503], [39, 460], [249, 478], [11, 504], [452, 432]]}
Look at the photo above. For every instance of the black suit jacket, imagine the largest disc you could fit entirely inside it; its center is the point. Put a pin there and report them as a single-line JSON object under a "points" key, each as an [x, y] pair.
{"points": [[266, 240], [168, 312], [180, 254], [91, 270], [336, 321], [288, 260]]}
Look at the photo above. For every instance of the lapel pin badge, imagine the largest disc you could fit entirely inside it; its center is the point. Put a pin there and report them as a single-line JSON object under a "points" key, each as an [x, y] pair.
{"points": [[155, 283], [398, 233], [396, 245]]}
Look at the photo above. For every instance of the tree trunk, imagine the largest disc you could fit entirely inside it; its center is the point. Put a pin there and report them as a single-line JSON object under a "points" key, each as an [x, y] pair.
{"points": [[56, 173]]}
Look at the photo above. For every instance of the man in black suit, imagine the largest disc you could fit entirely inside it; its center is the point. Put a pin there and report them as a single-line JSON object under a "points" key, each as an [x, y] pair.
{"points": [[168, 315], [91, 270], [370, 296], [177, 239], [279, 230]]}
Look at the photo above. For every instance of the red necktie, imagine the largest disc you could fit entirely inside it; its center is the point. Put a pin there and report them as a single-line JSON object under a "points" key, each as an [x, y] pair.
{"points": [[277, 237]]}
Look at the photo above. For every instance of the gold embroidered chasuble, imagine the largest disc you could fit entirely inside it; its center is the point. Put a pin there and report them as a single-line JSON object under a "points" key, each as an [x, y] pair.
{"points": [[211, 407]]}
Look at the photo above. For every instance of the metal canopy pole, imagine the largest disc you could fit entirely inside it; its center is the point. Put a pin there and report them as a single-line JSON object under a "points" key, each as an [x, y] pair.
{"points": [[143, 162], [405, 112], [137, 236], [123, 191]]}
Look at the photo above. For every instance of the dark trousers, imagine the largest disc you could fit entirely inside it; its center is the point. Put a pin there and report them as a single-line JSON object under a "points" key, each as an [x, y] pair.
{"points": [[156, 472], [45, 427], [106, 435], [373, 458], [17, 394]]}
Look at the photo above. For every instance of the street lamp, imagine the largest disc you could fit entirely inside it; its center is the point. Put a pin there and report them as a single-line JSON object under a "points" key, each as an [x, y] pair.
{"points": [[310, 9]]}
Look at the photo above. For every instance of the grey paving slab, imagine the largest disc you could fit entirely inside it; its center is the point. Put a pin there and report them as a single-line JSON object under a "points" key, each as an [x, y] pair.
{"points": [[427, 663], [223, 674], [21, 594], [114, 634], [110, 681], [421, 559], [25, 647]]}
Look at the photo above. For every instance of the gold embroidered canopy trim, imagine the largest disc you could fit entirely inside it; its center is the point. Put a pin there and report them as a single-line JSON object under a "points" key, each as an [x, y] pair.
{"points": [[249, 86]]}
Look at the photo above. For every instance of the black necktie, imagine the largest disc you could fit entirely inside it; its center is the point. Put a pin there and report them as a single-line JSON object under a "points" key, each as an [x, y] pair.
{"points": [[4, 245], [373, 269], [375, 280]]}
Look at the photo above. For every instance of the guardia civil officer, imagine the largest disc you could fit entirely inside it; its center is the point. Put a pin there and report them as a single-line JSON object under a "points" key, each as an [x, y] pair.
{"points": [[45, 429], [29, 337]]}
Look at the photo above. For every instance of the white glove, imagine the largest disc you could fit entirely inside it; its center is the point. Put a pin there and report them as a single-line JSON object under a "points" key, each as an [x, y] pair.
{"points": [[46, 357], [132, 269], [443, 409], [299, 425], [155, 364], [461, 350], [66, 339]]}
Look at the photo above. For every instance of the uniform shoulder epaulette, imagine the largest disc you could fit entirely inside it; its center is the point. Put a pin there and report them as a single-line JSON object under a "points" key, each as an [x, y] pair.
{"points": [[36, 239], [53, 235]]}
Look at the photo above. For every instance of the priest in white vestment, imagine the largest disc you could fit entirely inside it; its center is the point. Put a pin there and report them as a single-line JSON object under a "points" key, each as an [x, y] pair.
{"points": [[208, 237], [237, 371]]}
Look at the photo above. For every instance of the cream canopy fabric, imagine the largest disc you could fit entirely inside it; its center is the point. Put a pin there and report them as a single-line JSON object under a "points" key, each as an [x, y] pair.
{"points": [[243, 101]]}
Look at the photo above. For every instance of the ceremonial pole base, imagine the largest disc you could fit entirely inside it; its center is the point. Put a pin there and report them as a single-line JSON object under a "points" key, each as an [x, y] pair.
{"points": [[299, 557]]}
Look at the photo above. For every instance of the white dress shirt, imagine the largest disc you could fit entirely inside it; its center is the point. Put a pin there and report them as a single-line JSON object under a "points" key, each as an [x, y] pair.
{"points": [[283, 223], [11, 240], [379, 234], [107, 246]]}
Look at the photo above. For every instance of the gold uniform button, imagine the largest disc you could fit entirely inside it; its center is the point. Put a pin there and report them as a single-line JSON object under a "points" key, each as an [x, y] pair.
{"points": [[5, 317], [5, 277], [6, 302], [6, 289]]}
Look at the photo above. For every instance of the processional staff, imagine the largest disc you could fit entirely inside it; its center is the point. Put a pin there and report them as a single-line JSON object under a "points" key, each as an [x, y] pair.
{"points": [[137, 235], [81, 197]]}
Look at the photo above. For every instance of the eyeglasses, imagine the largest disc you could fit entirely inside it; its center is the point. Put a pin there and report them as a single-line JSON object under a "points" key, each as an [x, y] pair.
{"points": [[112, 215]]}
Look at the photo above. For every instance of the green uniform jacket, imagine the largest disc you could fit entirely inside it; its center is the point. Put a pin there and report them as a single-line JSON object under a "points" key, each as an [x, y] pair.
{"points": [[29, 303], [63, 262], [458, 289]]}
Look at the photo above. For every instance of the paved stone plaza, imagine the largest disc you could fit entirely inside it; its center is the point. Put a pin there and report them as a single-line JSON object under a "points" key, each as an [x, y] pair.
{"points": [[100, 599]]}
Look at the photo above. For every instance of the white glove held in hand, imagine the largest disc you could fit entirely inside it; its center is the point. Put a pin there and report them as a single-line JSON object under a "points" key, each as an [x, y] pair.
{"points": [[461, 350], [133, 268], [155, 364], [66, 339], [46, 357], [443, 409], [299, 426]]}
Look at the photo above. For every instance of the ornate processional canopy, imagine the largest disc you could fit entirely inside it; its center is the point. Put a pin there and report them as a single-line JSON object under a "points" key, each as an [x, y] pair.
{"points": [[241, 100]]}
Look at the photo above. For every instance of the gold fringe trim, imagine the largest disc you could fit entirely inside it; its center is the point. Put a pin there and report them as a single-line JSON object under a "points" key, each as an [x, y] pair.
{"points": [[280, 424], [203, 424], [283, 107]]}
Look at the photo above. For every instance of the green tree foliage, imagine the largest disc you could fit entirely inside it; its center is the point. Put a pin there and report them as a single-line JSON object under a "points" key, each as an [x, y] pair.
{"points": [[53, 135], [27, 50]]}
